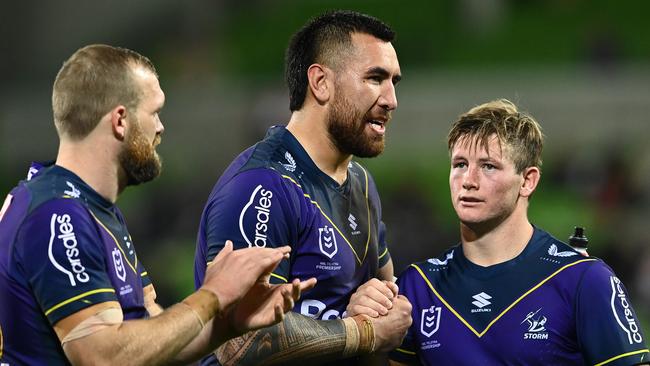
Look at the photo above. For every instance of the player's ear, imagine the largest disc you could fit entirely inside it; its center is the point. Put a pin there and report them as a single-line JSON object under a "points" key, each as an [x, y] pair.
{"points": [[117, 117], [318, 81], [531, 177]]}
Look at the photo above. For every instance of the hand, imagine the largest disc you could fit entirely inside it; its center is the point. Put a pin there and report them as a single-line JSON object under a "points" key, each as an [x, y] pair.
{"points": [[233, 272], [373, 298], [391, 329], [266, 304]]}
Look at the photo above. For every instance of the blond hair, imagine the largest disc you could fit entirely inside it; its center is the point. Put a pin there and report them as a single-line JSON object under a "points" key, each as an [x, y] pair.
{"points": [[518, 133]]}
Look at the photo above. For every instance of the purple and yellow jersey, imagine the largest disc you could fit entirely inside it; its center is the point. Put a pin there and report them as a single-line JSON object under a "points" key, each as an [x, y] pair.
{"points": [[548, 306], [272, 195], [63, 248]]}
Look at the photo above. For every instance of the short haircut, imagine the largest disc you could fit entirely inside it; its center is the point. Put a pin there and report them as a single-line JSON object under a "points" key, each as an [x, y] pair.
{"points": [[519, 135], [325, 40], [95, 79]]}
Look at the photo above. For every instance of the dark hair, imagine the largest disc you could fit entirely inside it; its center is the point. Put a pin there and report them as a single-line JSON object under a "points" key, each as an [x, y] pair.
{"points": [[95, 79], [518, 133], [324, 40]]}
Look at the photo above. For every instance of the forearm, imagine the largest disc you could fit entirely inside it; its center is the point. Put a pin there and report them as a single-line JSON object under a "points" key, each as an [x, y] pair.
{"points": [[297, 338], [152, 341], [214, 334]]}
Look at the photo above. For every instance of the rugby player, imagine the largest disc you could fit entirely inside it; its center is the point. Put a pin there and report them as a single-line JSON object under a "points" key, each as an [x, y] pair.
{"points": [[299, 186], [510, 293], [72, 290]]}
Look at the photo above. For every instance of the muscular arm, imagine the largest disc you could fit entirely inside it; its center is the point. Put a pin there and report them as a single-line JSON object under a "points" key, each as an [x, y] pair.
{"points": [[297, 338], [300, 339], [137, 342]]}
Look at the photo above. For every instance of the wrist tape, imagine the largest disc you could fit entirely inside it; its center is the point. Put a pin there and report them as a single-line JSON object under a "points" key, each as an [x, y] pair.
{"points": [[359, 336]]}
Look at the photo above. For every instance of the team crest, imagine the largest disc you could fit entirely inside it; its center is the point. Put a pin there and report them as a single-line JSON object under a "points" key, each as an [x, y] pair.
{"points": [[327, 241], [430, 320], [120, 270]]}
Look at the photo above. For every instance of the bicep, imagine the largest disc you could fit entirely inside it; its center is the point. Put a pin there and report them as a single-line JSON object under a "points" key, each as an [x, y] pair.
{"points": [[64, 327]]}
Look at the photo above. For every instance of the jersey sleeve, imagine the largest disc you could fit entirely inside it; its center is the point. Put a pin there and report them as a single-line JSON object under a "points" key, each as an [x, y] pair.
{"points": [[406, 352], [59, 251], [384, 254], [255, 208], [608, 329], [382, 246]]}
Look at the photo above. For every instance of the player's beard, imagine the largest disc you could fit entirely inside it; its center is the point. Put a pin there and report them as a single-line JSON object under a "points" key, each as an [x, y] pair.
{"points": [[347, 128], [139, 158]]}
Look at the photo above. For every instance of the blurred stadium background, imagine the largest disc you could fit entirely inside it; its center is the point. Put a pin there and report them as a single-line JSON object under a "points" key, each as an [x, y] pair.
{"points": [[582, 67]]}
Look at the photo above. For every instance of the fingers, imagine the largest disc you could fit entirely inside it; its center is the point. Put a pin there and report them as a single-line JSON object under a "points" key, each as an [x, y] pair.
{"points": [[279, 313], [392, 286], [227, 249], [308, 285], [354, 310], [374, 298], [287, 295]]}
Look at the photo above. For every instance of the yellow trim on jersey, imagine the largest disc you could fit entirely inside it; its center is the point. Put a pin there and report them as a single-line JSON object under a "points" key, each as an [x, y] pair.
{"points": [[506, 309], [278, 276], [621, 356], [365, 174], [1, 342], [384, 253], [118, 245], [144, 274], [405, 351], [292, 180], [72, 299], [360, 260]]}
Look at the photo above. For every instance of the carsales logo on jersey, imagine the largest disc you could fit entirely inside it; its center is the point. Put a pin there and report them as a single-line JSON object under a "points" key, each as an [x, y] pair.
{"points": [[62, 234], [623, 312], [255, 216]]}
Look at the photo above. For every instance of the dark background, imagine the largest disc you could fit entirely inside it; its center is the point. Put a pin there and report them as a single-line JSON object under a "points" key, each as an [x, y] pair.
{"points": [[582, 68]]}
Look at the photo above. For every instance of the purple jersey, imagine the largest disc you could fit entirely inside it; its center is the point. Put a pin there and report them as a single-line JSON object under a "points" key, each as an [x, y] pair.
{"points": [[273, 194], [548, 306], [63, 248]]}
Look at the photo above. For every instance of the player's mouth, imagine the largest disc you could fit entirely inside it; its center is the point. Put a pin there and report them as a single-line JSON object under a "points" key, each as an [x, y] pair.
{"points": [[469, 200], [378, 125]]}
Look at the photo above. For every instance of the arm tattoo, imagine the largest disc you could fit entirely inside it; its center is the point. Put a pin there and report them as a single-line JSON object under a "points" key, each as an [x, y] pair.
{"points": [[296, 339]]}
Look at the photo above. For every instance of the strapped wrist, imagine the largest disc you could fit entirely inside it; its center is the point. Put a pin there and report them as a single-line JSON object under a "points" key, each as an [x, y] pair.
{"points": [[359, 336]]}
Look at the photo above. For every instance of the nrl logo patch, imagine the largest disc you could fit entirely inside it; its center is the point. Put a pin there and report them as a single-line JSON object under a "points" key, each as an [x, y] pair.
{"points": [[430, 321], [120, 270], [327, 241]]}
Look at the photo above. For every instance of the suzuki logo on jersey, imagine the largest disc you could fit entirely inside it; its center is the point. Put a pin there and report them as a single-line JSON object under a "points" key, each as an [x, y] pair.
{"points": [[120, 271], [482, 300], [554, 252], [64, 234], [623, 312], [255, 216], [291, 166], [536, 328], [430, 320], [73, 192], [353, 222], [327, 241]]}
